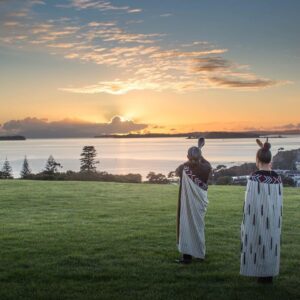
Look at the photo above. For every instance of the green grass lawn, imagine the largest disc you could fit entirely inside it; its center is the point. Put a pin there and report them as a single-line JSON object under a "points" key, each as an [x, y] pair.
{"points": [[88, 240]]}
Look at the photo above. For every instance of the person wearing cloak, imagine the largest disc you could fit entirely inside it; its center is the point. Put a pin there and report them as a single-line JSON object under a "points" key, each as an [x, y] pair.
{"points": [[192, 205], [262, 220]]}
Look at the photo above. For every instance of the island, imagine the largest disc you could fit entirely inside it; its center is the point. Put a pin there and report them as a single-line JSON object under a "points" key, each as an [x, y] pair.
{"points": [[224, 135], [13, 138]]}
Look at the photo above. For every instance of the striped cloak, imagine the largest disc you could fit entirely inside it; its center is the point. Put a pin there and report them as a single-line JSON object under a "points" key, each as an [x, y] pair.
{"points": [[192, 207], [261, 226]]}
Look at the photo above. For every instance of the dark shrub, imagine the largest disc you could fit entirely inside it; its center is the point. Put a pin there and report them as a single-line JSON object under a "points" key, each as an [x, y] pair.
{"points": [[157, 178], [224, 180]]}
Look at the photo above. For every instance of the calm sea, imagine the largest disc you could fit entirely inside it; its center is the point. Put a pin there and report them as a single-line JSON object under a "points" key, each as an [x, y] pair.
{"points": [[122, 156]]}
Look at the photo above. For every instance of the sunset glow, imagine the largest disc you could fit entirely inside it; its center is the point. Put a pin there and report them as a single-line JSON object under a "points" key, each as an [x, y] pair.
{"points": [[171, 66]]}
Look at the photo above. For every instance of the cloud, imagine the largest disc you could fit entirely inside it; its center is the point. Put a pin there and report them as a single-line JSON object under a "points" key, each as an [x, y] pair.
{"points": [[37, 2], [71, 55], [101, 5], [271, 127], [135, 10], [196, 43], [184, 54], [12, 24], [116, 87], [21, 13], [116, 34], [166, 15], [210, 64], [134, 22], [231, 82], [290, 126], [177, 71], [97, 24], [121, 87], [41, 128], [62, 45], [140, 59]]}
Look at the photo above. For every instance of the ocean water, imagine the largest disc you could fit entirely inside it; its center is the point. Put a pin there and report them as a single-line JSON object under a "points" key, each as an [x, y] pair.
{"points": [[123, 156]]}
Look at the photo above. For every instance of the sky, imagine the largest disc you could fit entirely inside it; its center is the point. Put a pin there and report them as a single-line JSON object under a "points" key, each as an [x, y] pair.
{"points": [[82, 67]]}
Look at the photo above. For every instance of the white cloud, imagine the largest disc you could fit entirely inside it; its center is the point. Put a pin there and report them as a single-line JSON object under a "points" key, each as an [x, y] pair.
{"points": [[99, 24], [101, 5], [136, 10], [116, 87], [166, 15], [36, 2], [12, 24], [61, 45], [21, 13]]}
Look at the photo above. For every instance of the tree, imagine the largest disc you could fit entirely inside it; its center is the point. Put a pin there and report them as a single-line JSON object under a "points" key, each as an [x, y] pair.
{"points": [[26, 171], [287, 181], [220, 167], [88, 159], [157, 178], [52, 166], [6, 170], [172, 174]]}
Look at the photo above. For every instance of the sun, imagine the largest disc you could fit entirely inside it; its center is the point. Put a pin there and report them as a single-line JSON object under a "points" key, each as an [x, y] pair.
{"points": [[123, 119], [126, 118]]}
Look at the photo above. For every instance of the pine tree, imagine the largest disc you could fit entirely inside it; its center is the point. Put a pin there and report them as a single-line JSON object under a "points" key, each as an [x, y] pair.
{"points": [[26, 171], [52, 166], [88, 161], [6, 170]]}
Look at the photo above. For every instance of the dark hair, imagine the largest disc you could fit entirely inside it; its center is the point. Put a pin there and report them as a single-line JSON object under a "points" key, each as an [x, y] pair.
{"points": [[194, 154], [264, 154]]}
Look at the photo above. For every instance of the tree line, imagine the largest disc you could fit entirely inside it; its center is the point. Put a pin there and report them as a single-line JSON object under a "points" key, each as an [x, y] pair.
{"points": [[221, 175], [88, 171]]}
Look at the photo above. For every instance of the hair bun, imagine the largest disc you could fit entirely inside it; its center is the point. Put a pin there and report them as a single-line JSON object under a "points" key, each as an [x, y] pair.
{"points": [[267, 146], [194, 153]]}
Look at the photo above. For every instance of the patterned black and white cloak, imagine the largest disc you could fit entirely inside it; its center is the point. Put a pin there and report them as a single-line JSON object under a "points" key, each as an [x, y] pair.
{"points": [[261, 225]]}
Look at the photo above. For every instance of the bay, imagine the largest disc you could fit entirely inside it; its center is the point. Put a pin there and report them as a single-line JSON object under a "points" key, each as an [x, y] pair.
{"points": [[142, 155]]}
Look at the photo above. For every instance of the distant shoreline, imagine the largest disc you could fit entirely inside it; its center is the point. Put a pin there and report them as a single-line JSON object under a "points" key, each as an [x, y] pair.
{"points": [[13, 138], [189, 135], [196, 135], [192, 135]]}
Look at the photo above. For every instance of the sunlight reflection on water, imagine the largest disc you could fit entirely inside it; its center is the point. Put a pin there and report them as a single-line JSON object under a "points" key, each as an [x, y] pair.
{"points": [[122, 156]]}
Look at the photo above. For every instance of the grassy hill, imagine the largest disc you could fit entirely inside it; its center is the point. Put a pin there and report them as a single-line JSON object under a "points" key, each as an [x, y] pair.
{"points": [[89, 240]]}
